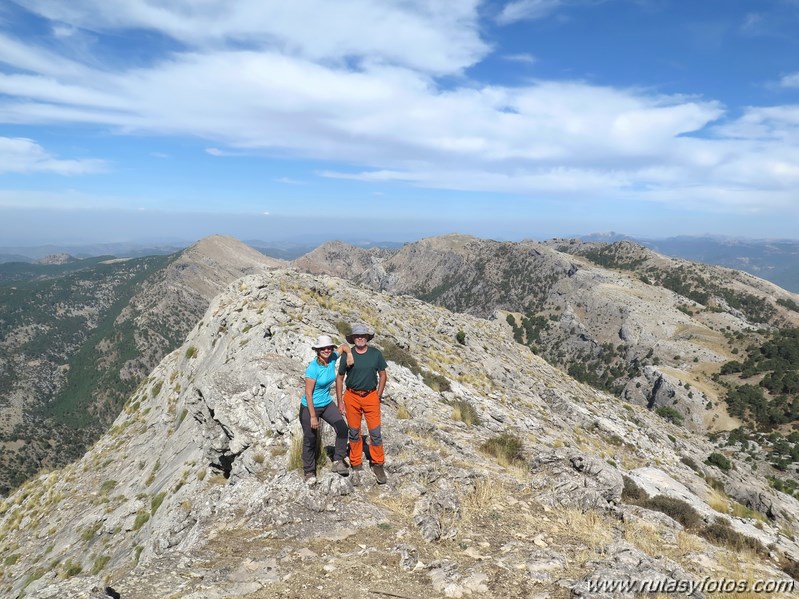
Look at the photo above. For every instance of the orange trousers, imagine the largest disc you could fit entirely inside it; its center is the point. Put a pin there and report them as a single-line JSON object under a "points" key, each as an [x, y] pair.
{"points": [[357, 408]]}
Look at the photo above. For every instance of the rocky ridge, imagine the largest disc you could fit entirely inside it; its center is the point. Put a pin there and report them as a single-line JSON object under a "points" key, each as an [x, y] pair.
{"points": [[75, 346], [616, 322], [192, 494]]}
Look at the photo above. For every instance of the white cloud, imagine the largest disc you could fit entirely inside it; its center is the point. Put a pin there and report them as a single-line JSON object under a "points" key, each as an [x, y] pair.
{"points": [[791, 80], [526, 58], [20, 155], [527, 10], [431, 35], [376, 103]]}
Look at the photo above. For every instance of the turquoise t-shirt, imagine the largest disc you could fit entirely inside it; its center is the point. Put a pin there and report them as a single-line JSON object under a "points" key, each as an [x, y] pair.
{"points": [[324, 376]]}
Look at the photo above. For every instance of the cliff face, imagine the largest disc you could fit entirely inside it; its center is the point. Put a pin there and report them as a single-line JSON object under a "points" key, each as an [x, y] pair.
{"points": [[505, 475]]}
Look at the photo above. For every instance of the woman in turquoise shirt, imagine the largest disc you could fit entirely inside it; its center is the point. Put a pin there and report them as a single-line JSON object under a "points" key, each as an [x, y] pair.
{"points": [[317, 403]]}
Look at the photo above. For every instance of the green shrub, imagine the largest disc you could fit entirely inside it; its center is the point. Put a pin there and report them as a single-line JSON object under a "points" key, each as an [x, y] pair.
{"points": [[677, 509], [688, 461], [506, 448], [90, 531], [632, 493], [191, 351], [99, 564], [721, 533], [141, 519], [670, 414], [719, 460], [343, 327], [11, 559], [71, 569], [156, 502], [460, 337]]}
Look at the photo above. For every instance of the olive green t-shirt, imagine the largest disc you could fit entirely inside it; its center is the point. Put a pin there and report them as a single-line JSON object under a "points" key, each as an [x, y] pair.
{"points": [[362, 376]]}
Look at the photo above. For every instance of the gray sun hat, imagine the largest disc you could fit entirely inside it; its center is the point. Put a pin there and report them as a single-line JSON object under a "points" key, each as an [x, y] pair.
{"points": [[323, 341], [359, 329]]}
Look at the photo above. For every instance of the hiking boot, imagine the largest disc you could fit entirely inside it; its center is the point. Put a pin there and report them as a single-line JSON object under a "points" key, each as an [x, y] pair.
{"points": [[310, 479], [358, 468], [339, 467], [380, 474]]}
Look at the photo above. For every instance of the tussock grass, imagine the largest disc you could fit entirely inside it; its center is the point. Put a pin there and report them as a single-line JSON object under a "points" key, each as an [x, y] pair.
{"points": [[295, 453], [644, 536], [506, 448], [398, 504], [436, 382], [595, 532], [465, 412], [719, 501], [403, 413], [741, 511], [485, 494], [721, 533]]}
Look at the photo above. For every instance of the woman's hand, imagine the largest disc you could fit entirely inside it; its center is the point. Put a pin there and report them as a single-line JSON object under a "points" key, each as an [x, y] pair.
{"points": [[345, 349], [314, 422]]}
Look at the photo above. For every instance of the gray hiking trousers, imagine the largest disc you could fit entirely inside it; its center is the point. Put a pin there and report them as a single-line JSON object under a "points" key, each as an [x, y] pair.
{"points": [[333, 417]]}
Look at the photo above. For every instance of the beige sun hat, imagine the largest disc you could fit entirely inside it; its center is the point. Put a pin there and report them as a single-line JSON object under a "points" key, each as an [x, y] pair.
{"points": [[323, 341]]}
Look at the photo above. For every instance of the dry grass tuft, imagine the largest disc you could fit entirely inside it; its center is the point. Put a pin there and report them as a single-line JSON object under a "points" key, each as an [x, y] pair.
{"points": [[719, 501], [689, 543], [398, 504], [595, 532], [644, 536], [295, 453], [484, 495]]}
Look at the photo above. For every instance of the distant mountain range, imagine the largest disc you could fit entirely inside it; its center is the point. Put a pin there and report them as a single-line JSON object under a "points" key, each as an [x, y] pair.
{"points": [[776, 260]]}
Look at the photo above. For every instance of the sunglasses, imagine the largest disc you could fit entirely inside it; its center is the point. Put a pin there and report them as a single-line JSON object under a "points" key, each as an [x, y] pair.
{"points": [[325, 349]]}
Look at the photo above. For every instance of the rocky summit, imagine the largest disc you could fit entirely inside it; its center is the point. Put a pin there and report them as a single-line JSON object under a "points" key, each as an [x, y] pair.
{"points": [[506, 477]]}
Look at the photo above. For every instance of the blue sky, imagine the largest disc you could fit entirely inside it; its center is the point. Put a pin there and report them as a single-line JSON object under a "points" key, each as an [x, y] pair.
{"points": [[397, 119]]}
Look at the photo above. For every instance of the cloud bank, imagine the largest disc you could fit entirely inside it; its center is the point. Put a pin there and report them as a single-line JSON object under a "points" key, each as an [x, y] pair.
{"points": [[381, 87]]}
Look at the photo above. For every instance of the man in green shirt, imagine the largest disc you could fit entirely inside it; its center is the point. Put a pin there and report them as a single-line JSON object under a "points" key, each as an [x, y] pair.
{"points": [[365, 382]]}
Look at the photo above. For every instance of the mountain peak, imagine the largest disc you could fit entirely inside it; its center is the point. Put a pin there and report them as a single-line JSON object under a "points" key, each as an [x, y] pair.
{"points": [[230, 251]]}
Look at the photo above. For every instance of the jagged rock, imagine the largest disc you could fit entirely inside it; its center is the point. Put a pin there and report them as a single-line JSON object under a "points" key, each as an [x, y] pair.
{"points": [[572, 479], [409, 557], [541, 565], [630, 565], [656, 389], [79, 587], [428, 512]]}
